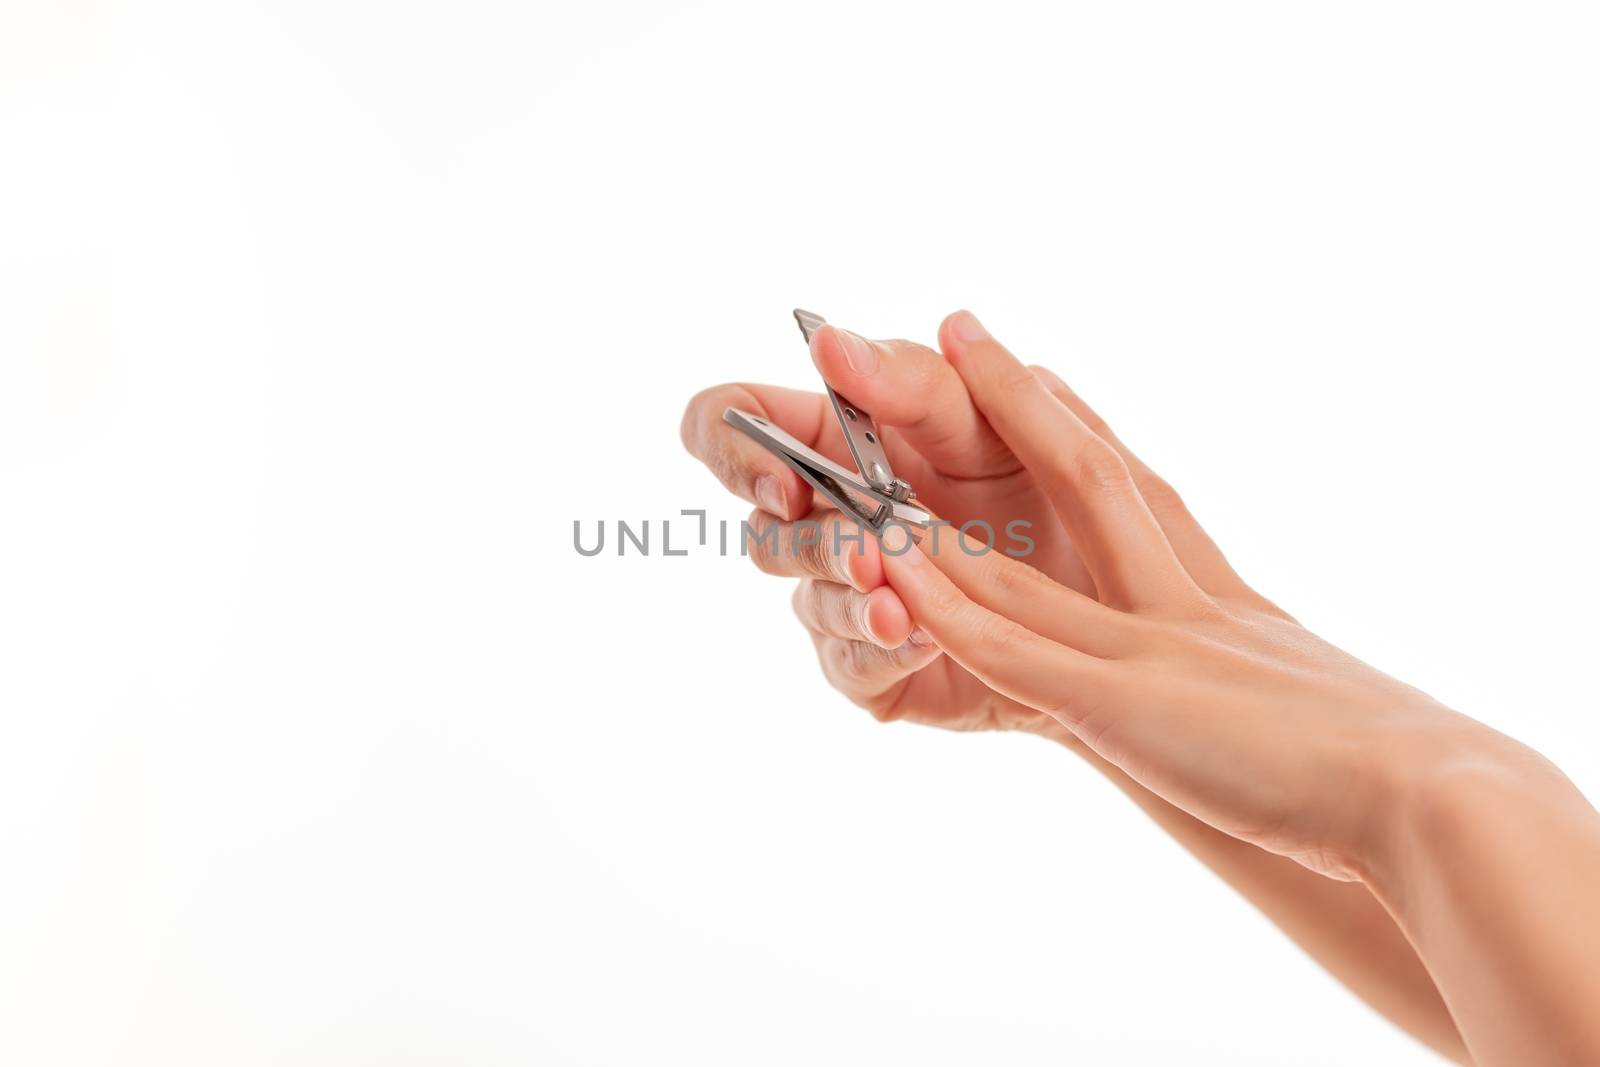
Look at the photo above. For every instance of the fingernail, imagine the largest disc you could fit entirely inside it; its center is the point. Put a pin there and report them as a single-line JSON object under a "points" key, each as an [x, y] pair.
{"points": [[769, 494], [921, 638], [966, 327], [865, 621], [844, 564], [861, 356]]}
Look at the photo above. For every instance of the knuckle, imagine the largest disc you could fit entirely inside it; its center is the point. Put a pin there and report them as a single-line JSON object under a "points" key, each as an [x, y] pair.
{"points": [[1082, 707], [1057, 387], [834, 553], [884, 707], [1089, 417], [997, 630], [1087, 720], [946, 600], [1014, 580], [763, 547], [859, 659], [869, 677], [830, 608], [701, 426], [698, 411], [722, 464], [802, 601], [811, 550], [842, 612], [843, 665], [1018, 381], [1202, 608], [864, 664], [1159, 494], [689, 425], [830, 654], [1099, 468]]}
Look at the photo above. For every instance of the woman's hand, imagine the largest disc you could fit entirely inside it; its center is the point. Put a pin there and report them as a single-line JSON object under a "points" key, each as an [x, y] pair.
{"points": [[863, 636], [1176, 671], [938, 441], [1205, 693]]}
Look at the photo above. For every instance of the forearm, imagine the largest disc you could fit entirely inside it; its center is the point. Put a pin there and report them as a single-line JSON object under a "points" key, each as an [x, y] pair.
{"points": [[1338, 924], [1492, 868]]}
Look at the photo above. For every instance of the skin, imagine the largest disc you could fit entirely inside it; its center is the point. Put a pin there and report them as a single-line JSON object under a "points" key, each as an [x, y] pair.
{"points": [[1439, 869]]}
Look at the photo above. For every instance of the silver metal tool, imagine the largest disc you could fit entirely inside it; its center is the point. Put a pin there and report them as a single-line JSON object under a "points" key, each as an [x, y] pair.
{"points": [[871, 495]]}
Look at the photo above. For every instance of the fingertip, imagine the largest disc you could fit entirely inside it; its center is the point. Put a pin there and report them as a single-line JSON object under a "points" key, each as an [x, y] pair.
{"points": [[826, 355], [863, 563], [947, 342], [961, 329], [887, 618], [781, 493], [843, 358]]}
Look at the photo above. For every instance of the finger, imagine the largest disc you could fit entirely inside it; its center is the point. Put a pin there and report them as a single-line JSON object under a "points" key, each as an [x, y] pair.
{"points": [[823, 544], [1199, 554], [742, 465], [876, 616], [755, 474], [870, 676], [1011, 659], [1011, 587], [915, 390], [1089, 483]]}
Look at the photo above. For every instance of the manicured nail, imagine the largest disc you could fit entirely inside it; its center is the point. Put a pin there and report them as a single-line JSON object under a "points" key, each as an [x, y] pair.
{"points": [[769, 494], [865, 622], [966, 327], [861, 356], [921, 638]]}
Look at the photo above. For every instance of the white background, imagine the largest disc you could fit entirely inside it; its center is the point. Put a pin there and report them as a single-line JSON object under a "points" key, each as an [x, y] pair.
{"points": [[320, 323]]}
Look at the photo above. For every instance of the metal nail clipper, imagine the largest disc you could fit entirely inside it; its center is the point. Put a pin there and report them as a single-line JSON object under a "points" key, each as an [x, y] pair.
{"points": [[871, 494]]}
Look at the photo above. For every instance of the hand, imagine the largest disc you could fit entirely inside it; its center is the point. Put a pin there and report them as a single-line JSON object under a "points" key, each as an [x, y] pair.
{"points": [[937, 440], [1133, 640], [1178, 673], [1478, 849]]}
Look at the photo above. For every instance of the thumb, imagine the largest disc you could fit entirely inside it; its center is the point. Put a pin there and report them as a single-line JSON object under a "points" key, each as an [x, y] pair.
{"points": [[912, 388]]}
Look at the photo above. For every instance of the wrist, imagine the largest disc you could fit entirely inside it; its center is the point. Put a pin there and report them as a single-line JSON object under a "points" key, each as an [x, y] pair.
{"points": [[1439, 783]]}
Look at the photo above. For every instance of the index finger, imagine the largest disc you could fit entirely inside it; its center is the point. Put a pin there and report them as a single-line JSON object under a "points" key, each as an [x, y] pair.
{"points": [[1123, 546], [747, 469]]}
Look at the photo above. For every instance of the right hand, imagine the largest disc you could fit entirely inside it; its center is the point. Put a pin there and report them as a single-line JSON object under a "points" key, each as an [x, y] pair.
{"points": [[943, 445], [938, 440]]}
